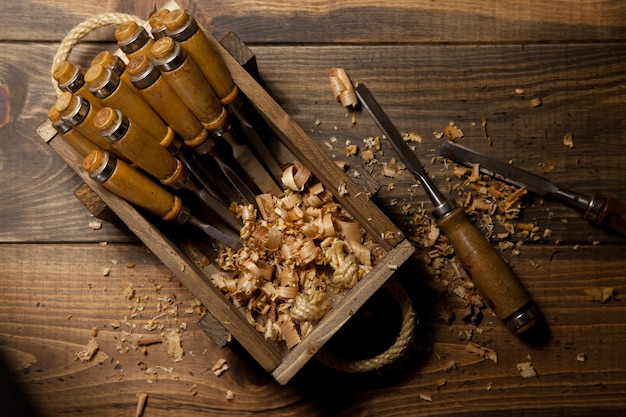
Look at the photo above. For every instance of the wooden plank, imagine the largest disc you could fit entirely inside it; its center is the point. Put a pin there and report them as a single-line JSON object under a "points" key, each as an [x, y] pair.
{"points": [[52, 295], [353, 21]]}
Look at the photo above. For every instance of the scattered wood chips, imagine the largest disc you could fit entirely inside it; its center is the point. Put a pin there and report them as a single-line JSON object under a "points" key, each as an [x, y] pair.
{"points": [[300, 254]]}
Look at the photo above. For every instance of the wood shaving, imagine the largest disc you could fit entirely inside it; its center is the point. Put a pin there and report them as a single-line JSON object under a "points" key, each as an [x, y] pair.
{"points": [[452, 131], [142, 398], [230, 396], [600, 294], [568, 140], [526, 370], [426, 397], [88, 352], [302, 254], [342, 87], [535, 102], [220, 367], [581, 357], [95, 225], [482, 352], [173, 345], [128, 290]]}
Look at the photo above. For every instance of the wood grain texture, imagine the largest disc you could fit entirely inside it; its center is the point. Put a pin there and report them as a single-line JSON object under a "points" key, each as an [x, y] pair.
{"points": [[49, 309], [428, 63]]}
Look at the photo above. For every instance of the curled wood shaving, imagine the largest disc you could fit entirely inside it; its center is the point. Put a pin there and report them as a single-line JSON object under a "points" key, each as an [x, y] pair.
{"points": [[299, 256], [342, 87]]}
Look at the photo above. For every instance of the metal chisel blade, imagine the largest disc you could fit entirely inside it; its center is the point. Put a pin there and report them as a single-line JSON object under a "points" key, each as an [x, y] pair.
{"points": [[497, 169]]}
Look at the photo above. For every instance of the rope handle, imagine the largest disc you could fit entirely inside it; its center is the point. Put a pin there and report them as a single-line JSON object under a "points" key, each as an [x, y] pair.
{"points": [[389, 356], [83, 29]]}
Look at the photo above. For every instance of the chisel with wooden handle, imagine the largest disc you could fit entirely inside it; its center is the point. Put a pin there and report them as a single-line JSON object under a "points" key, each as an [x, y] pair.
{"points": [[185, 77], [131, 141], [606, 212], [130, 184], [502, 289], [182, 27]]}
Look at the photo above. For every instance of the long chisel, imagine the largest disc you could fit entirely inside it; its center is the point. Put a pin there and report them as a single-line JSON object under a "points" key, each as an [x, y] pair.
{"points": [[599, 210], [139, 189], [503, 291]]}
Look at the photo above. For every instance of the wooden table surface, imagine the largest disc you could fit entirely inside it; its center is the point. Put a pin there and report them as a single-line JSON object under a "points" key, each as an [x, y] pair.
{"points": [[429, 63]]}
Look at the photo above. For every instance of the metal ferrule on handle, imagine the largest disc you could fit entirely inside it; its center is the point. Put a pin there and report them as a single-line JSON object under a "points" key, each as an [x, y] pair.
{"points": [[186, 31], [146, 78], [75, 83], [173, 61], [108, 85], [118, 130]]}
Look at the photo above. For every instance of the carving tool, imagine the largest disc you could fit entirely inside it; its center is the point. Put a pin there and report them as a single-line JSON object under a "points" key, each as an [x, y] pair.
{"points": [[599, 210], [503, 291], [183, 74], [135, 187], [155, 90], [106, 85], [130, 140], [183, 28], [79, 112], [72, 79]]}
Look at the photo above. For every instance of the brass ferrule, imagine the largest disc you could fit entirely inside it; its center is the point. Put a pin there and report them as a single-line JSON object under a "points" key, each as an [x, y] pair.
{"points": [[75, 83]]}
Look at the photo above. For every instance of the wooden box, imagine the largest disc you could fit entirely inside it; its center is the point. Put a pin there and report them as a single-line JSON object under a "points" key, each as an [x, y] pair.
{"points": [[282, 363]]}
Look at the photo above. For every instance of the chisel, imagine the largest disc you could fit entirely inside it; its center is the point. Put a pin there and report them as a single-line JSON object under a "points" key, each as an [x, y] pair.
{"points": [[606, 212], [183, 28], [185, 77], [137, 188], [500, 287]]}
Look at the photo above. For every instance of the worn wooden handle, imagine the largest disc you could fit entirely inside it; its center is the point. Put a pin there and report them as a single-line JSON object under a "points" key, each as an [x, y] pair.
{"points": [[499, 285], [200, 48], [130, 184], [613, 215], [190, 84], [159, 94], [106, 85], [138, 146]]}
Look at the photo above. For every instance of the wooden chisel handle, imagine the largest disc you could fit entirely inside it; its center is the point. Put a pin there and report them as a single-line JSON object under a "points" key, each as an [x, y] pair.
{"points": [[80, 112], [182, 27], [137, 145], [612, 215], [185, 77], [125, 181], [112, 92], [73, 137], [159, 94], [504, 293]]}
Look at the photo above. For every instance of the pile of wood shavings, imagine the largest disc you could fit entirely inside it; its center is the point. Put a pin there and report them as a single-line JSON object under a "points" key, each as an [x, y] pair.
{"points": [[297, 260]]}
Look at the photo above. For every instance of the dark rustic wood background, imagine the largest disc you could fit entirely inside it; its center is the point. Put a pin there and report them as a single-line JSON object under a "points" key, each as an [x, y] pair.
{"points": [[429, 62]]}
